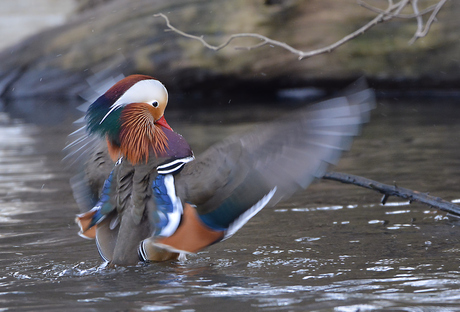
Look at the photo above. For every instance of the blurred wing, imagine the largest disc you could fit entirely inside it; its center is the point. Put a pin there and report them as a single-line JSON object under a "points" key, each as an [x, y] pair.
{"points": [[86, 155], [236, 178]]}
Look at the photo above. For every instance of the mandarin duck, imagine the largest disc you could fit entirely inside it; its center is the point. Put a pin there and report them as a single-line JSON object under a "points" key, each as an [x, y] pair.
{"points": [[144, 196]]}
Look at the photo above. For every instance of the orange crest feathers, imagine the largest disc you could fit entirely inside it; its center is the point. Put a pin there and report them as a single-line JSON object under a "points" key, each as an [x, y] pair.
{"points": [[139, 134]]}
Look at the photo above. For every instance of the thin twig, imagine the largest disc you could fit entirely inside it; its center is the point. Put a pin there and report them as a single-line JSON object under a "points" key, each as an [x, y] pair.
{"points": [[419, 21], [394, 10], [388, 190], [430, 21], [405, 16]]}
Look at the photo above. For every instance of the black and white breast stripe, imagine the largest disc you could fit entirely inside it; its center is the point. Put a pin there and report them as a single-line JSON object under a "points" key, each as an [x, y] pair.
{"points": [[172, 167]]}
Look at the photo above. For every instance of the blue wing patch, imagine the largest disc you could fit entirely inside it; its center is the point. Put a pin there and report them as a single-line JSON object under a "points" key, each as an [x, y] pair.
{"points": [[103, 206], [169, 207]]}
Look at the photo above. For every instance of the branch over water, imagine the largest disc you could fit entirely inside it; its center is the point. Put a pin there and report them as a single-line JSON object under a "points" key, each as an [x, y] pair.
{"points": [[394, 190]]}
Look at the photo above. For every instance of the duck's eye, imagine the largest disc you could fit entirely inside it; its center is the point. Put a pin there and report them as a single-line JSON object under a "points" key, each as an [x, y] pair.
{"points": [[155, 104]]}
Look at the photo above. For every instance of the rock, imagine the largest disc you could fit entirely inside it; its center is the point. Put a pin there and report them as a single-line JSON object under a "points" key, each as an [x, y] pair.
{"points": [[123, 36]]}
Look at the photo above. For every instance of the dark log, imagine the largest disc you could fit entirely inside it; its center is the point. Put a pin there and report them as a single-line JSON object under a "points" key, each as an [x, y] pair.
{"points": [[394, 190]]}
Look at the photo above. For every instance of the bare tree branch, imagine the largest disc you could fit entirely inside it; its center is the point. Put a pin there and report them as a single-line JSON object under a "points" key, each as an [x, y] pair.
{"points": [[264, 39], [389, 190], [393, 11]]}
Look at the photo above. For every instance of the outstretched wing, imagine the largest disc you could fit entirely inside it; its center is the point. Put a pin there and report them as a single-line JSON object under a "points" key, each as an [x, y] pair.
{"points": [[86, 155], [236, 178]]}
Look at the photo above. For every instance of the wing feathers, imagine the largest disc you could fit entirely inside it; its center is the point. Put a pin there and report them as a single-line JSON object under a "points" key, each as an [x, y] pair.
{"points": [[286, 155]]}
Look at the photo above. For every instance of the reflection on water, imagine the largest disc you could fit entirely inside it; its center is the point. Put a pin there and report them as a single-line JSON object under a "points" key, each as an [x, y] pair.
{"points": [[331, 248], [17, 165]]}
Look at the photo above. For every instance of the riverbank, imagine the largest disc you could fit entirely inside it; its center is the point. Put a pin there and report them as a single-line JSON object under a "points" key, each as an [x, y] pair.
{"points": [[119, 36]]}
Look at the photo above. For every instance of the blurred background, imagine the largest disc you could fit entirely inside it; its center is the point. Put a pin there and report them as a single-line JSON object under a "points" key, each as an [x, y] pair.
{"points": [[51, 47]]}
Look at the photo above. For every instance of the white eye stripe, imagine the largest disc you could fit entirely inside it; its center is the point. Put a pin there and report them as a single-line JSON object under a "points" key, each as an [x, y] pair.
{"points": [[144, 91]]}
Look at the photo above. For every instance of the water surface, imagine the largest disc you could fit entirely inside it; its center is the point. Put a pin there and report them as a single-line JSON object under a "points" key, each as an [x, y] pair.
{"points": [[330, 248]]}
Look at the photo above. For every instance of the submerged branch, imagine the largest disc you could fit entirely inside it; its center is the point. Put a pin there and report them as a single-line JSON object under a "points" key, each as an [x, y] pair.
{"points": [[393, 190]]}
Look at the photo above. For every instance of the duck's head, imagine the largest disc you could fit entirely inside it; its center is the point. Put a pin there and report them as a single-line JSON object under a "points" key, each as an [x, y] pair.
{"points": [[130, 115]]}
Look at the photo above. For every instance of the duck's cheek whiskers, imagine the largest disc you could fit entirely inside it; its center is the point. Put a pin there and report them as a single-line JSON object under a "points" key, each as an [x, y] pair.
{"points": [[139, 134]]}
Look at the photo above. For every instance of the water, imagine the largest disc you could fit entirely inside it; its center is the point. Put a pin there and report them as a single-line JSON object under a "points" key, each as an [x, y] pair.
{"points": [[331, 248]]}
